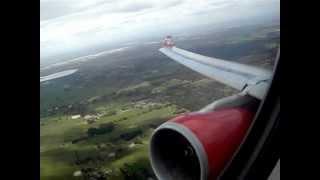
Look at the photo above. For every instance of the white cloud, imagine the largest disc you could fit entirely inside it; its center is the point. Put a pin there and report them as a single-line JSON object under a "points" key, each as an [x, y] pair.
{"points": [[83, 21]]}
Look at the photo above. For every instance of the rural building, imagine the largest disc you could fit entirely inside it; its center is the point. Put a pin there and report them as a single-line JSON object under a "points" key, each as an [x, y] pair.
{"points": [[76, 116]]}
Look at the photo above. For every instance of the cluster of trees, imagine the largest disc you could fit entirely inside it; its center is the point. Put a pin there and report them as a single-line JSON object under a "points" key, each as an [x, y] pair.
{"points": [[102, 129], [121, 119], [158, 121], [111, 113], [76, 108], [135, 172], [90, 173], [79, 139], [139, 89], [131, 134]]}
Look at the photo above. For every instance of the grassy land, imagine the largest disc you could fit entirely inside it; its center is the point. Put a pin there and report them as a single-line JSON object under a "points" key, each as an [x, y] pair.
{"points": [[134, 95], [58, 153]]}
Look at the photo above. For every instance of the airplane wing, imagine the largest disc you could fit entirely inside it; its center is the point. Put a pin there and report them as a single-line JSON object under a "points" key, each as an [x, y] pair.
{"points": [[57, 75], [248, 79]]}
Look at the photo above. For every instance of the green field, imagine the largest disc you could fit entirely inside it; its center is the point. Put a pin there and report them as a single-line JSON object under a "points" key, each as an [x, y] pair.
{"points": [[97, 122], [58, 153]]}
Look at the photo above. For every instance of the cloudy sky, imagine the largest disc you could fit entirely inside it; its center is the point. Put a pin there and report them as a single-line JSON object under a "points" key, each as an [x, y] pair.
{"points": [[70, 24]]}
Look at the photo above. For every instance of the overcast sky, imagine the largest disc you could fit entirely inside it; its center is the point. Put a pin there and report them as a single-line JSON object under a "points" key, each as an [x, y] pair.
{"points": [[72, 24]]}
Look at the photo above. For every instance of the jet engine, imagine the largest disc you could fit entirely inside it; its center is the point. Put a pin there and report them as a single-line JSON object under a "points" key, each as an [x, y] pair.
{"points": [[198, 145]]}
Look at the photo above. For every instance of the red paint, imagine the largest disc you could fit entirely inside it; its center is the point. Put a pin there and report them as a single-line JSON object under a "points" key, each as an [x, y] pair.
{"points": [[168, 42], [220, 133]]}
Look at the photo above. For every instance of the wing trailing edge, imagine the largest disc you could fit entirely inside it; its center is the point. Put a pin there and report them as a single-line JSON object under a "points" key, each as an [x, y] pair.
{"points": [[248, 79]]}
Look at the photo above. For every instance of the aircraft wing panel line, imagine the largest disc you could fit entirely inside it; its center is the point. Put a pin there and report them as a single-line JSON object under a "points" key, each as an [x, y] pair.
{"points": [[249, 80], [246, 69], [235, 81]]}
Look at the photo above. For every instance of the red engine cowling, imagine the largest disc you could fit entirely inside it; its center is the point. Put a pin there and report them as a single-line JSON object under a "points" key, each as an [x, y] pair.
{"points": [[197, 146]]}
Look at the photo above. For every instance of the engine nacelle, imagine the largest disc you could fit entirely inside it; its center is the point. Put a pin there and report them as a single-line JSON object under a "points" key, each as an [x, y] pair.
{"points": [[197, 146]]}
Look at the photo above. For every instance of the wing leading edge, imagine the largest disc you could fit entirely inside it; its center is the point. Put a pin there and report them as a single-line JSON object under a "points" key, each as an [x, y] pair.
{"points": [[250, 80]]}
